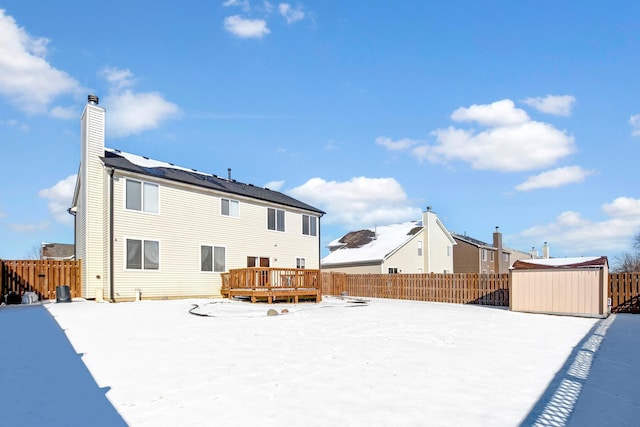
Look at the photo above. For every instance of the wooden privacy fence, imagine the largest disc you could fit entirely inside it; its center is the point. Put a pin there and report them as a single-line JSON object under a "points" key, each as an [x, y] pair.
{"points": [[40, 276], [624, 291], [469, 288]]}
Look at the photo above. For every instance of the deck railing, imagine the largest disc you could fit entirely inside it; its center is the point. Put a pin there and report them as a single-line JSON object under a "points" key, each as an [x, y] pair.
{"points": [[268, 277]]}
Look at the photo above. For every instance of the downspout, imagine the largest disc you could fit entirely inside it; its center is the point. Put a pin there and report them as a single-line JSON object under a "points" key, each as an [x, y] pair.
{"points": [[111, 281]]}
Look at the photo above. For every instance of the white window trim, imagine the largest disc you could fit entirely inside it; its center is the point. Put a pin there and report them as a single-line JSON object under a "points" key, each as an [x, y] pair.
{"points": [[284, 218], [142, 182], [230, 200], [213, 258], [304, 259], [142, 270], [310, 218]]}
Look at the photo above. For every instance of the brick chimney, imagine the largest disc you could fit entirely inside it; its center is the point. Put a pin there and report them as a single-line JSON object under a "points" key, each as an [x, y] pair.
{"points": [[501, 266]]}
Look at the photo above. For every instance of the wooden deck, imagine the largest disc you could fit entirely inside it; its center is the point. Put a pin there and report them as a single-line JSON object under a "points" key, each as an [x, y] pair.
{"points": [[272, 284]]}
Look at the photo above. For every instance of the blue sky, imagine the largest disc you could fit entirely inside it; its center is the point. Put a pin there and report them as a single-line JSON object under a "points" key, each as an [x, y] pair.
{"points": [[523, 115]]}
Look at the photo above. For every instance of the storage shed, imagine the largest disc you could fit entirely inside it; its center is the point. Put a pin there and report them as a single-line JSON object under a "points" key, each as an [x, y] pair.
{"points": [[566, 286]]}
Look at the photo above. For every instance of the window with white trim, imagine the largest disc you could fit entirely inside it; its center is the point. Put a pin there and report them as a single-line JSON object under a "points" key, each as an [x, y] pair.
{"points": [[143, 254], [229, 207], [491, 256], [275, 219], [484, 255], [301, 262], [141, 196], [213, 258], [448, 250], [393, 270], [419, 247], [309, 225]]}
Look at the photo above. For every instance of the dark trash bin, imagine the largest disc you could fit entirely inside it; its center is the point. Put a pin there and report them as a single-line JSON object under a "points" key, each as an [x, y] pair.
{"points": [[12, 298], [63, 294]]}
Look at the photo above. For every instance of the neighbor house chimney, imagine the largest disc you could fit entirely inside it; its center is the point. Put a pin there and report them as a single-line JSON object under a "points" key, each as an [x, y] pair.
{"points": [[497, 243], [545, 251]]}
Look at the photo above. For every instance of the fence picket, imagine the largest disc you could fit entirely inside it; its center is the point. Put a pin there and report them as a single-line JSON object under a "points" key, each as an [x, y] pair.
{"points": [[40, 276]]}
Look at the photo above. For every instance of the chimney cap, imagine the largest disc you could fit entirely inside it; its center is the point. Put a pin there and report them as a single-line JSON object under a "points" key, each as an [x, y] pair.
{"points": [[93, 99]]}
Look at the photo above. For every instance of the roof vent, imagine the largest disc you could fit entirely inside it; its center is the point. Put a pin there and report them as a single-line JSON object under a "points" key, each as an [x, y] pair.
{"points": [[93, 99], [228, 174]]}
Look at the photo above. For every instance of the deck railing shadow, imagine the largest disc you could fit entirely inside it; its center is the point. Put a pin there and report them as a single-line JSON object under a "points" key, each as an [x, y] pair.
{"points": [[43, 381]]}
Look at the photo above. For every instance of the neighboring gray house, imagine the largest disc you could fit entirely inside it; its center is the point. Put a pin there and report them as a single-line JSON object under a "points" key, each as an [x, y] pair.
{"points": [[57, 251], [150, 227], [410, 247]]}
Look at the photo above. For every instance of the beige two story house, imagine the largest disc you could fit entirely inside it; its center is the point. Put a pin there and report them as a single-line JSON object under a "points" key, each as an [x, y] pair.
{"points": [[153, 229]]}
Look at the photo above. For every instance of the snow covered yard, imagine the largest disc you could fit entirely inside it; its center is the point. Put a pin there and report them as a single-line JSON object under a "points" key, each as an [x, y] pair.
{"points": [[387, 363]]}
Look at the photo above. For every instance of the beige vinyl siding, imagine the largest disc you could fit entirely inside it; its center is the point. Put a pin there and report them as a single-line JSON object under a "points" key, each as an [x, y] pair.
{"points": [[188, 218], [406, 259], [572, 291], [437, 259], [81, 247], [356, 269], [93, 193]]}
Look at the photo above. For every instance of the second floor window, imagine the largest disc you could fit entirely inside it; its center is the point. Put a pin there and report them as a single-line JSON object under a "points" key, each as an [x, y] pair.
{"points": [[309, 225], [142, 196], [229, 207], [275, 219]]}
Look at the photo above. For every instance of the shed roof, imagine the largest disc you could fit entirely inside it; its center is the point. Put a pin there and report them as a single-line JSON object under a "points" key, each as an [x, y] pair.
{"points": [[553, 263], [143, 165]]}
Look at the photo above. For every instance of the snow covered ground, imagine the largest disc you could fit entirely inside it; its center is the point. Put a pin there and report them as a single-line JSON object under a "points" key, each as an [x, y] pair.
{"points": [[387, 363]]}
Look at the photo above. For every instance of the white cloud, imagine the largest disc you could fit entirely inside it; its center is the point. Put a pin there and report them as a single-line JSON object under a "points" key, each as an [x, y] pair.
{"points": [[526, 146], [499, 113], [132, 112], [243, 4], [118, 78], [26, 78], [65, 113], [359, 202], [573, 235], [634, 121], [555, 178], [29, 228], [398, 145], [558, 105], [290, 15], [246, 28], [513, 142], [623, 207], [274, 185], [60, 196], [16, 124]]}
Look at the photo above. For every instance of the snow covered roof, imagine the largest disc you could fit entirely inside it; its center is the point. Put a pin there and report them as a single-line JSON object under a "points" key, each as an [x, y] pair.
{"points": [[547, 263], [381, 242], [143, 165]]}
